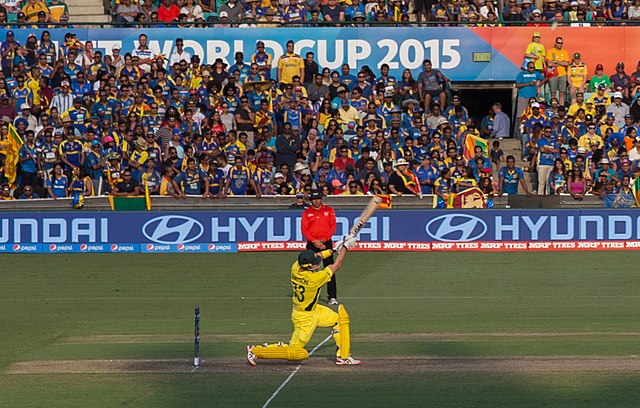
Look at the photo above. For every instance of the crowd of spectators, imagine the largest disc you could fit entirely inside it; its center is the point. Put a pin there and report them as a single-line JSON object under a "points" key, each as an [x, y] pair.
{"points": [[121, 124], [246, 13], [579, 125], [34, 13], [118, 124]]}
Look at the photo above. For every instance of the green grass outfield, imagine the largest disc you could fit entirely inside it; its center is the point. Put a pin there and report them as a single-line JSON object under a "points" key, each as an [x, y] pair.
{"points": [[411, 313]]}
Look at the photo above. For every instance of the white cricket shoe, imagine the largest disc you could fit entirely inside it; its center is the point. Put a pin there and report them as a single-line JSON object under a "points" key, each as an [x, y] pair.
{"points": [[347, 361], [251, 358], [333, 301]]}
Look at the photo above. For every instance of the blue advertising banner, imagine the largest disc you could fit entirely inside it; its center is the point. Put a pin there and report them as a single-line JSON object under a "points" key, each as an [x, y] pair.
{"points": [[214, 232], [450, 49]]}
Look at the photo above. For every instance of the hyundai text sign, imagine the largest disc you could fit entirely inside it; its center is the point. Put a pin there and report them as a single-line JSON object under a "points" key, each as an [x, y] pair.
{"points": [[222, 231]]}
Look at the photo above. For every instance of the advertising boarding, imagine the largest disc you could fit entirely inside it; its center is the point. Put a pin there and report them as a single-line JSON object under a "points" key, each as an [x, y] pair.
{"points": [[404, 230]]}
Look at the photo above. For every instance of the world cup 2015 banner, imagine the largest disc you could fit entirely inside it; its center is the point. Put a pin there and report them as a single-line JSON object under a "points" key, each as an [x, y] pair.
{"points": [[395, 230], [462, 53]]}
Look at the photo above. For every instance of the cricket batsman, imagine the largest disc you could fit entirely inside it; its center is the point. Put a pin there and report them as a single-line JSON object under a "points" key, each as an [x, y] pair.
{"points": [[308, 275]]}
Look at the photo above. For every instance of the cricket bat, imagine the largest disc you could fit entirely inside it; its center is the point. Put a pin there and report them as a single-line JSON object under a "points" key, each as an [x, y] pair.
{"points": [[365, 215]]}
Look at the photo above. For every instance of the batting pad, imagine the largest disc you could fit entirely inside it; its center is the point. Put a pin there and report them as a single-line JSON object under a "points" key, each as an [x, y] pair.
{"points": [[345, 333], [280, 351]]}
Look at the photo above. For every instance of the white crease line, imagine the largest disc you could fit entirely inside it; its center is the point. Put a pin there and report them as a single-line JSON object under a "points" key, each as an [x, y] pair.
{"points": [[134, 299], [277, 391]]}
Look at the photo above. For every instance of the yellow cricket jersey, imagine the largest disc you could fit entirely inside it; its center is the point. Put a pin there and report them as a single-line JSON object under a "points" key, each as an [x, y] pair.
{"points": [[31, 11], [290, 65], [306, 286], [538, 50], [578, 74]]}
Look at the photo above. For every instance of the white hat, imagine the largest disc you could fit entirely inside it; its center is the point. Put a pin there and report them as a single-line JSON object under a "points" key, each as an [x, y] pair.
{"points": [[223, 14], [617, 95], [401, 162], [442, 121], [604, 160], [535, 105], [25, 106], [299, 166], [278, 175]]}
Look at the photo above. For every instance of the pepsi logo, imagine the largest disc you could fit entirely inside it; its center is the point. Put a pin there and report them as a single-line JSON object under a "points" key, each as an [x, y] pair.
{"points": [[149, 247], [180, 247], [83, 247], [16, 247], [212, 247], [114, 247], [53, 247]]}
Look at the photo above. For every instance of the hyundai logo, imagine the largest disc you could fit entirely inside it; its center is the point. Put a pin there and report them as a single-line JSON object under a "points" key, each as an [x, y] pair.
{"points": [[456, 228], [172, 229]]}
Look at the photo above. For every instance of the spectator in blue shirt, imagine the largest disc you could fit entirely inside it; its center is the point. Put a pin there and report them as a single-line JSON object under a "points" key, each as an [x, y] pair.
{"points": [[510, 176], [547, 153], [527, 83]]}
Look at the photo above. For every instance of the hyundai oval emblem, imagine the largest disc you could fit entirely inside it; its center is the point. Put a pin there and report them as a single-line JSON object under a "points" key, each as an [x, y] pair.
{"points": [[172, 229], [456, 228]]}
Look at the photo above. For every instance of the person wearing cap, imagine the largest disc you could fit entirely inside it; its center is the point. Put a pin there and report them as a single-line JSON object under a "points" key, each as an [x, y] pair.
{"points": [[577, 73], [299, 203], [32, 8], [263, 60], [95, 159], [308, 275], [535, 52], [64, 100], [599, 78], [318, 226], [138, 157], [7, 49], [403, 180], [606, 170], [427, 174], [527, 82], [600, 97], [618, 109], [547, 153], [620, 79]]}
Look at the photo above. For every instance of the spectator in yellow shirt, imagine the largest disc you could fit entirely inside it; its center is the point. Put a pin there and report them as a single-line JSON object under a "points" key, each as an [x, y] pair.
{"points": [[535, 52], [289, 65], [348, 113], [558, 61], [32, 8], [577, 77]]}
